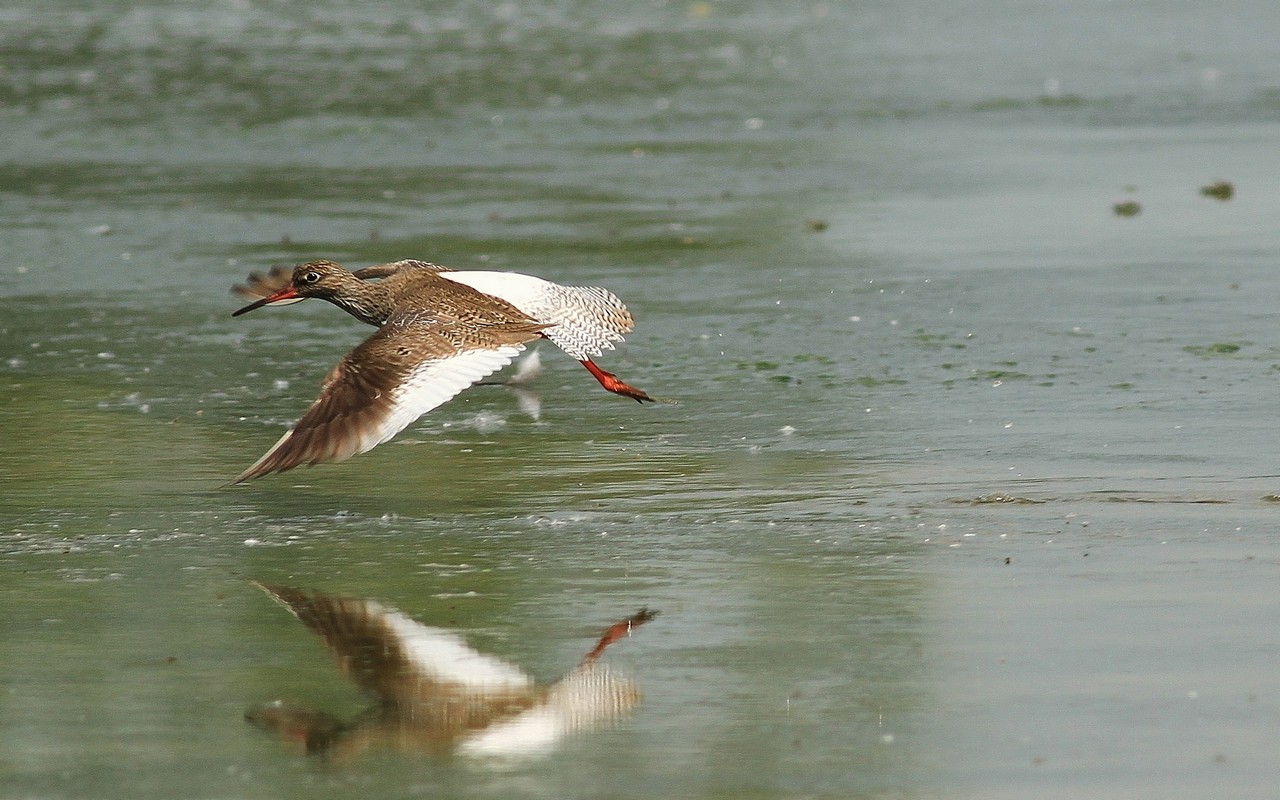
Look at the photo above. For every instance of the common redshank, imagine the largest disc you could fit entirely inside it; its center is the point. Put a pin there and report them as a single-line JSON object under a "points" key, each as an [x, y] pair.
{"points": [[439, 331], [434, 693]]}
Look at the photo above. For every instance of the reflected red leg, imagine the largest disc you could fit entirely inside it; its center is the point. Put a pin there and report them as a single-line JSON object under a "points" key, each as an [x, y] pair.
{"points": [[617, 630]]}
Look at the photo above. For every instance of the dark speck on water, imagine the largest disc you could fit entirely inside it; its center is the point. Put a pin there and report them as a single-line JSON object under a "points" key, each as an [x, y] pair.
{"points": [[1219, 190]]}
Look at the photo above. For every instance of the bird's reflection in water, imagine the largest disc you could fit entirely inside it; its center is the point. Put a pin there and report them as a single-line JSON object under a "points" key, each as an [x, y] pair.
{"points": [[520, 384], [437, 695]]}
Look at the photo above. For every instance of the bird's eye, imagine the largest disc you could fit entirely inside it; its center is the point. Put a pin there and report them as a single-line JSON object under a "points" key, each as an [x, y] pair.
{"points": [[311, 277]]}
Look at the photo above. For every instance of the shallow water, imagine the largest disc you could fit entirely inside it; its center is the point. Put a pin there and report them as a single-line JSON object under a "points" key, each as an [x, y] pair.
{"points": [[970, 491]]}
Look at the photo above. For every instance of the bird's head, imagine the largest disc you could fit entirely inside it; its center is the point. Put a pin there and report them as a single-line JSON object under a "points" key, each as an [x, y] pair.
{"points": [[322, 279]]}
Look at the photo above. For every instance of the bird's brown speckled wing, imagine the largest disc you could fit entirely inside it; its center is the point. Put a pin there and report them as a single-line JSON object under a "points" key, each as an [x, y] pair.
{"points": [[414, 363]]}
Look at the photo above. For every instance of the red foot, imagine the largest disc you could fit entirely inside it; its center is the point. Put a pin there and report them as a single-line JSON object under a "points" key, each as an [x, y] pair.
{"points": [[616, 385], [617, 630]]}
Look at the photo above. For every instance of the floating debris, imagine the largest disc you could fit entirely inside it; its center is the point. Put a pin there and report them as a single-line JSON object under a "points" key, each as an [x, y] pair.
{"points": [[1219, 190], [999, 499], [1127, 208], [815, 225], [1215, 349]]}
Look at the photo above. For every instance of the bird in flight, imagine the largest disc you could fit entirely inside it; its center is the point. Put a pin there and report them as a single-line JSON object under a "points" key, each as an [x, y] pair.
{"points": [[439, 332]]}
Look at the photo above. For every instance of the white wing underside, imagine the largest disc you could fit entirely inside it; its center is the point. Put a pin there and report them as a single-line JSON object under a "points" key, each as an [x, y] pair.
{"points": [[585, 320], [432, 384], [435, 383]]}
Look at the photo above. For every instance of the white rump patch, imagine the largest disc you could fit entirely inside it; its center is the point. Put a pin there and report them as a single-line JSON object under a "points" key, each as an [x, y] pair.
{"points": [[525, 292], [585, 320]]}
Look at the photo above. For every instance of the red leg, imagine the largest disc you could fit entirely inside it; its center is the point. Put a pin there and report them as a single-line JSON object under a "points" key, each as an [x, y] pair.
{"points": [[616, 385], [617, 630]]}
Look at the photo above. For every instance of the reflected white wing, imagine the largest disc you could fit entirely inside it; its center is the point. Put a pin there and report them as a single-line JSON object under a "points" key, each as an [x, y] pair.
{"points": [[446, 657]]}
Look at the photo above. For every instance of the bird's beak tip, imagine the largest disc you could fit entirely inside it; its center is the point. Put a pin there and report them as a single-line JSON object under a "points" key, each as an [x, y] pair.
{"points": [[288, 293]]}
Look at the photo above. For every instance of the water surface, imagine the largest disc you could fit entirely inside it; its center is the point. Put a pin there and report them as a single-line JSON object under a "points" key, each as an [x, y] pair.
{"points": [[971, 488]]}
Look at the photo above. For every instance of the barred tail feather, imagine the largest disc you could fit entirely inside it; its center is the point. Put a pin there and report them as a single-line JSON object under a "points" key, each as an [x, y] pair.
{"points": [[585, 320]]}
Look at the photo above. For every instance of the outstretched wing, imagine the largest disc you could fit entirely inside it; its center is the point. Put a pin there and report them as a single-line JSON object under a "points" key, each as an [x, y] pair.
{"points": [[414, 363], [397, 659]]}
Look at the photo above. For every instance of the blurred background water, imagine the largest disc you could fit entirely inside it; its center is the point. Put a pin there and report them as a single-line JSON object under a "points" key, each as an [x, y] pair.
{"points": [[971, 491]]}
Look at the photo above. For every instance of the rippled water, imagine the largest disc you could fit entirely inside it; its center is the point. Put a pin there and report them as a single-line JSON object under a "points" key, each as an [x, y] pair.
{"points": [[970, 492]]}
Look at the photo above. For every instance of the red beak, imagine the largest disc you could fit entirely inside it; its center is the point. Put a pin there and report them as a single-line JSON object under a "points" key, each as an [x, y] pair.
{"points": [[287, 293]]}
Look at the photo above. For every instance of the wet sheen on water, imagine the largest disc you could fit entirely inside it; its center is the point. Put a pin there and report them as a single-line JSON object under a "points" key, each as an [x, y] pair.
{"points": [[971, 487]]}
